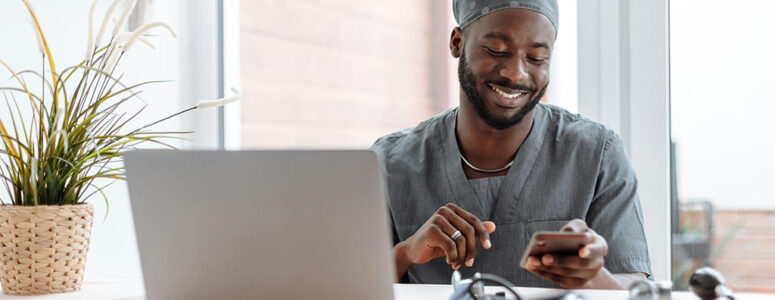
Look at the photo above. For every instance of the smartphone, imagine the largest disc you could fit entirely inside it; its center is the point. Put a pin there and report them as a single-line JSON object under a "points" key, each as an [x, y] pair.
{"points": [[559, 242]]}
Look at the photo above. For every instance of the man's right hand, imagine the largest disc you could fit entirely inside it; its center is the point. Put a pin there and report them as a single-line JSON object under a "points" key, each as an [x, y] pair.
{"points": [[434, 239]]}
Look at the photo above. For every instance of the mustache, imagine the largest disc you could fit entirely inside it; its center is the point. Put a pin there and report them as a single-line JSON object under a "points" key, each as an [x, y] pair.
{"points": [[512, 85]]}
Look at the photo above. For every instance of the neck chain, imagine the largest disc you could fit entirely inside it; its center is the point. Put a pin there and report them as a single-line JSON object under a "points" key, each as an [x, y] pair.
{"points": [[478, 169], [485, 170]]}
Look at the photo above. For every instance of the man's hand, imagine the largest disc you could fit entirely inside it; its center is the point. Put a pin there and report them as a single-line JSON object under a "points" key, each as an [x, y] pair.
{"points": [[573, 271], [434, 239]]}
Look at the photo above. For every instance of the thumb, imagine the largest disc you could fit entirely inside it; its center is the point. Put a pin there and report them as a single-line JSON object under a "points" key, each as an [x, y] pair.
{"points": [[489, 225]]}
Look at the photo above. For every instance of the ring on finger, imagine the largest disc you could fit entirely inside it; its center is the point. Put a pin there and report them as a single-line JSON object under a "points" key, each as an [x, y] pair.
{"points": [[455, 235]]}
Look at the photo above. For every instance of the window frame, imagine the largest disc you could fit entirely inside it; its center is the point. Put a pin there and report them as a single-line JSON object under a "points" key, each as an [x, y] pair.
{"points": [[230, 137], [624, 83]]}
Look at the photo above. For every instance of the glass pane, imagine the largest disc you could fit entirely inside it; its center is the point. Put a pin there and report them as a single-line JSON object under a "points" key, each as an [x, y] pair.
{"points": [[722, 74]]}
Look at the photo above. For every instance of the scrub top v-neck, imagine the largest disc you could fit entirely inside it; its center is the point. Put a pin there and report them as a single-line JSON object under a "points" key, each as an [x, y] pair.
{"points": [[486, 191], [568, 167]]}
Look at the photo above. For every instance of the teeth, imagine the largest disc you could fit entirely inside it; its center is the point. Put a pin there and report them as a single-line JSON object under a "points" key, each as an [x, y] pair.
{"points": [[507, 95]]}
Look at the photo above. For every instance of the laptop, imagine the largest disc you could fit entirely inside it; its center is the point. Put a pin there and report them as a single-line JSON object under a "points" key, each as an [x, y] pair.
{"points": [[260, 224]]}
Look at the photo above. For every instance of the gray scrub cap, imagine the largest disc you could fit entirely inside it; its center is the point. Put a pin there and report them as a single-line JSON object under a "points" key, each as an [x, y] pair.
{"points": [[468, 11]]}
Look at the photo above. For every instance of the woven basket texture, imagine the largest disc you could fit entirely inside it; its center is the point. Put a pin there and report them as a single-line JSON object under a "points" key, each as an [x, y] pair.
{"points": [[43, 248]]}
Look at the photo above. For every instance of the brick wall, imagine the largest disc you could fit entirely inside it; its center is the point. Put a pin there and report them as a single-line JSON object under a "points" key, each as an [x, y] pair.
{"points": [[748, 259], [336, 74]]}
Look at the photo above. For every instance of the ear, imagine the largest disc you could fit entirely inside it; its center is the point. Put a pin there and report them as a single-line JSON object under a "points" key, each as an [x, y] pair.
{"points": [[456, 42]]}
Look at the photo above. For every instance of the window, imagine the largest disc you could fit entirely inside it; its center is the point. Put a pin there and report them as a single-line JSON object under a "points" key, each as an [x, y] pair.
{"points": [[722, 73]]}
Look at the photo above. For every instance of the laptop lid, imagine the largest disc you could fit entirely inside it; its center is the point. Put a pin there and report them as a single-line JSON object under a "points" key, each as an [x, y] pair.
{"points": [[260, 224]]}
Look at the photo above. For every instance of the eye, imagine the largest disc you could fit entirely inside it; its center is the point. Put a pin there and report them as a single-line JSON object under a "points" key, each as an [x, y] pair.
{"points": [[537, 59], [495, 53]]}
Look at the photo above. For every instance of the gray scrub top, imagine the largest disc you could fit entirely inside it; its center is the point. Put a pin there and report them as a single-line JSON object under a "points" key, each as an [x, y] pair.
{"points": [[568, 167], [486, 191]]}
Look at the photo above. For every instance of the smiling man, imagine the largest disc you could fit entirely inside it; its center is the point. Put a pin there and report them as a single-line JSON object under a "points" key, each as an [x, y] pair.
{"points": [[503, 157]]}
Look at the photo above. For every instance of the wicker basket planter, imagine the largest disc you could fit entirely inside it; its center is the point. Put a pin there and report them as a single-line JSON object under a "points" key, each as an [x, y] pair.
{"points": [[43, 248]]}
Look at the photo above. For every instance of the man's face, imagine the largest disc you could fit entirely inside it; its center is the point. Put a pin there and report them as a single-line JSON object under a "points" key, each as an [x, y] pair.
{"points": [[504, 64]]}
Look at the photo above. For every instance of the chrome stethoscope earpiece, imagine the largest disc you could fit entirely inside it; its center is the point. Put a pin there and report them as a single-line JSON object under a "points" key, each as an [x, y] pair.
{"points": [[708, 283]]}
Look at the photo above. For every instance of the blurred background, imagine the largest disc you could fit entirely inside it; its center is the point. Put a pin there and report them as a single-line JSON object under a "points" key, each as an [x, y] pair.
{"points": [[341, 73], [721, 67]]}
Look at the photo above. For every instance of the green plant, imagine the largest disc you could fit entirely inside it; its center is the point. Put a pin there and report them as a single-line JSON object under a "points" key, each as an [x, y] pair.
{"points": [[74, 136]]}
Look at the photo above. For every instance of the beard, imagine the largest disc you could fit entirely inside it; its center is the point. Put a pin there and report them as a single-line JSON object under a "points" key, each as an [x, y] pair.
{"points": [[468, 85]]}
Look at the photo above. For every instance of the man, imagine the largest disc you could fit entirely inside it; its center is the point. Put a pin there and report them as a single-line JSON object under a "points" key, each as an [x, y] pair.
{"points": [[503, 157]]}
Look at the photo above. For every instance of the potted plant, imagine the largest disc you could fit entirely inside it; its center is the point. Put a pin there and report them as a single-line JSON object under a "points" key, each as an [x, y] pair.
{"points": [[55, 149]]}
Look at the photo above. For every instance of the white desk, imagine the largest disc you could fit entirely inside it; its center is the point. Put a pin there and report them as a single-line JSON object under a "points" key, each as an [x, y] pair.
{"points": [[431, 291], [132, 289], [98, 288]]}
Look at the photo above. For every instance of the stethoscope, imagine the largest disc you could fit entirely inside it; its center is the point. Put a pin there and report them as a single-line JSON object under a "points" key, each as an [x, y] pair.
{"points": [[705, 282], [708, 283]]}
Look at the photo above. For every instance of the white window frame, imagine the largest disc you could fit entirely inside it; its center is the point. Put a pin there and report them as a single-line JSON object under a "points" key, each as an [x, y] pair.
{"points": [[200, 67], [624, 83], [230, 72], [210, 67], [232, 121]]}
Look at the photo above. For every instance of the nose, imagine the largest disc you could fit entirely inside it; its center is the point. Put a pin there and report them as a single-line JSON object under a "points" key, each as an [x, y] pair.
{"points": [[515, 70]]}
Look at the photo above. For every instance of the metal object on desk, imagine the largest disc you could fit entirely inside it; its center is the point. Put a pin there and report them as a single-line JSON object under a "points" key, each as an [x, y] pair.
{"points": [[708, 283], [650, 290], [473, 289], [460, 287]]}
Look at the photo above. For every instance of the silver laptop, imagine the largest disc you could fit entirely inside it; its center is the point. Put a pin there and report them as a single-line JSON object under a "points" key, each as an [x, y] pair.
{"points": [[260, 224]]}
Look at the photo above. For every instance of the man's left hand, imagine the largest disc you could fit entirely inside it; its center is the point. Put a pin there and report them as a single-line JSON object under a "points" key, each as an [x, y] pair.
{"points": [[572, 271]]}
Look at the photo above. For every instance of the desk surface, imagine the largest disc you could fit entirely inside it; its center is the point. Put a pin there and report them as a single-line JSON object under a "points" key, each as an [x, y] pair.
{"points": [[132, 289], [431, 291], [98, 288]]}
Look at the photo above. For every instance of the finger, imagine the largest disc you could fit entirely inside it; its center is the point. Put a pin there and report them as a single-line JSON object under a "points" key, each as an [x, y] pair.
{"points": [[481, 229], [468, 237], [534, 266], [597, 247], [489, 225], [533, 262], [565, 282], [593, 250], [443, 241], [460, 242], [575, 225], [569, 272], [570, 261]]}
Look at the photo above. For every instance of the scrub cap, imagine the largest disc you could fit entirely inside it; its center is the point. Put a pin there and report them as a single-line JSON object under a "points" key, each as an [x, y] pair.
{"points": [[468, 11]]}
